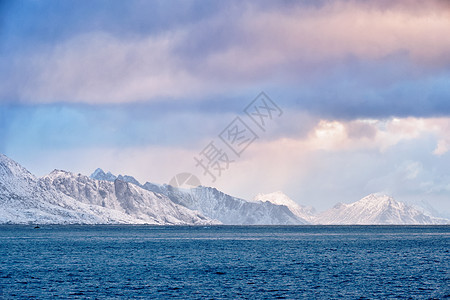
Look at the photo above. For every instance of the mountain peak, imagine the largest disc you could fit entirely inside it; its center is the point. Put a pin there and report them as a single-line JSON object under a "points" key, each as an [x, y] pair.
{"points": [[280, 198], [277, 197], [57, 171], [379, 201], [99, 174], [10, 169], [377, 197], [375, 209]]}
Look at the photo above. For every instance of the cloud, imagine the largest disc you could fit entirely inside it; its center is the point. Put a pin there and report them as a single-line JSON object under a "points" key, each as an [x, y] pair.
{"points": [[282, 40], [380, 135], [442, 147], [142, 87], [347, 58], [329, 165], [90, 126], [79, 126], [100, 68], [325, 164]]}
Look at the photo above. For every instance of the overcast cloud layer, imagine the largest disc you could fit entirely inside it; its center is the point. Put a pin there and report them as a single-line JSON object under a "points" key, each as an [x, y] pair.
{"points": [[141, 87]]}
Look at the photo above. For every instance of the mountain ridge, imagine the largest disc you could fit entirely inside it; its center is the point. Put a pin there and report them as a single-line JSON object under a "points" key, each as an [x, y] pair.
{"points": [[218, 205], [123, 197], [26, 199], [62, 197], [308, 215], [374, 209]]}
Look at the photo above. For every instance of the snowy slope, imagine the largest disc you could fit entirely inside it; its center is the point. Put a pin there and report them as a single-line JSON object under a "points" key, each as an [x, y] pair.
{"points": [[279, 198], [375, 209], [231, 210], [222, 207], [124, 197], [25, 199], [66, 198], [100, 175]]}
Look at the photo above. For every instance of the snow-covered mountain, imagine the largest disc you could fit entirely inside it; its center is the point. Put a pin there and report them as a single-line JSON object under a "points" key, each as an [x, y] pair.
{"points": [[371, 210], [277, 208], [127, 198], [65, 198], [231, 210], [219, 206], [24, 200], [100, 175], [279, 198], [375, 209], [428, 208]]}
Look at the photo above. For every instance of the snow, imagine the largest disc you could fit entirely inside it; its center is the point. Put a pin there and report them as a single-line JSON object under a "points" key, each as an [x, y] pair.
{"points": [[123, 197], [279, 198], [222, 207], [231, 210], [99, 174], [62, 197], [375, 209], [65, 198]]}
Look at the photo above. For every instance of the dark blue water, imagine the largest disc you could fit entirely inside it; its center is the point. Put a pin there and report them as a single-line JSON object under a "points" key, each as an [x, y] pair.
{"points": [[108, 262]]}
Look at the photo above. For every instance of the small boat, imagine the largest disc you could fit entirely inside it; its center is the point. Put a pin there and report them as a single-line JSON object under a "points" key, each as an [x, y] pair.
{"points": [[36, 227]]}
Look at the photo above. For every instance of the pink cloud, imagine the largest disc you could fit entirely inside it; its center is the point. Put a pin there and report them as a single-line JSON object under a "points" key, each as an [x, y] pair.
{"points": [[266, 45], [335, 31]]}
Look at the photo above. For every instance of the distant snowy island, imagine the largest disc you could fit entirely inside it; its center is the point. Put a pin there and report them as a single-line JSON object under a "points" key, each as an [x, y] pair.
{"points": [[62, 197]]}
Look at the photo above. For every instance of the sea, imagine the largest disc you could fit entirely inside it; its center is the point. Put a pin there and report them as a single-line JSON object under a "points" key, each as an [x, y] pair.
{"points": [[224, 262]]}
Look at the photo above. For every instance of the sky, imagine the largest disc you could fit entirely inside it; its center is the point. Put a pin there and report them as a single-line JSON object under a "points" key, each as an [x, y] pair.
{"points": [[354, 96]]}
